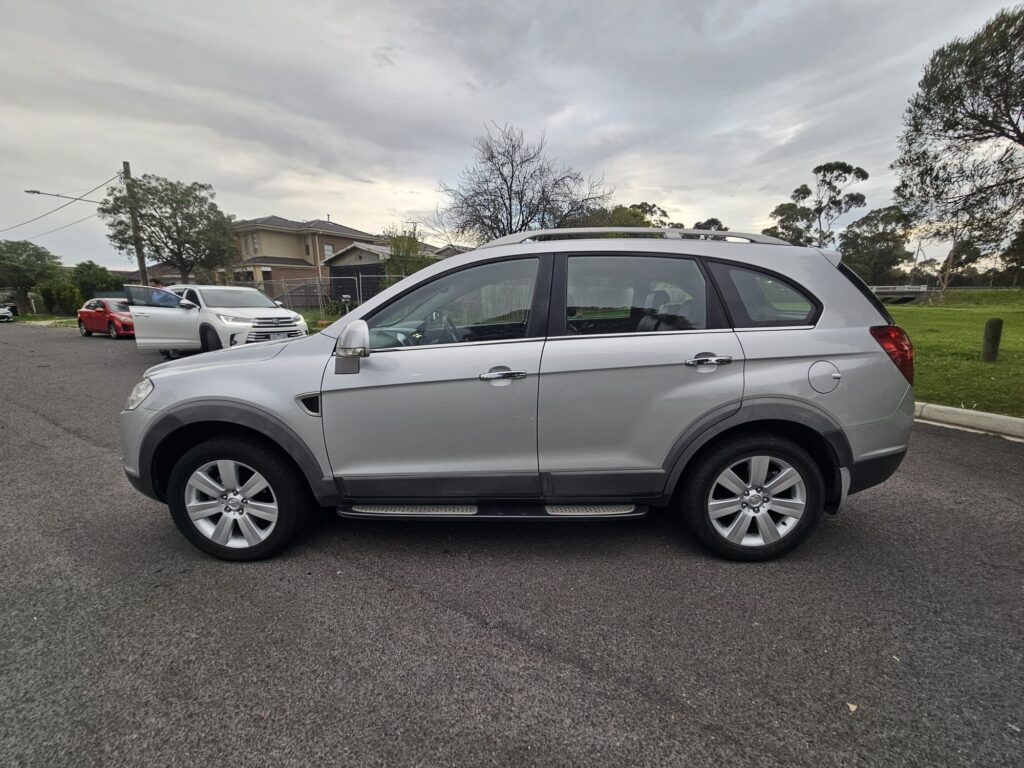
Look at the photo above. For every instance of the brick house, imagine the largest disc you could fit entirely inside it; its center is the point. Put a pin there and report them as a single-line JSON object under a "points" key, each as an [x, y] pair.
{"points": [[272, 249]]}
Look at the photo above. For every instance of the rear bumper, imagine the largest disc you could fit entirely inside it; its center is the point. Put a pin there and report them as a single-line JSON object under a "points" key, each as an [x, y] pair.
{"points": [[874, 471]]}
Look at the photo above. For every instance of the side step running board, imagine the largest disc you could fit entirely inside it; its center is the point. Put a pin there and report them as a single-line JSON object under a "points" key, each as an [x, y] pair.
{"points": [[493, 511]]}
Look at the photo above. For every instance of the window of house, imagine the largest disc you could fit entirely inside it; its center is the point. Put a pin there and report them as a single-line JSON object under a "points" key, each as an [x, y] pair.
{"points": [[634, 294], [255, 236], [759, 300], [489, 302], [328, 250]]}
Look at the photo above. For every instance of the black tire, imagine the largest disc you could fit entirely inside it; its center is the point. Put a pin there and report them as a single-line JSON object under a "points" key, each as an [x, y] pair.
{"points": [[699, 484], [210, 339], [83, 330], [289, 488], [112, 330]]}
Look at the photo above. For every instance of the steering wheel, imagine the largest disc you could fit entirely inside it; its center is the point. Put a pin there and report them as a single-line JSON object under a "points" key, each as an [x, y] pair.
{"points": [[446, 330]]}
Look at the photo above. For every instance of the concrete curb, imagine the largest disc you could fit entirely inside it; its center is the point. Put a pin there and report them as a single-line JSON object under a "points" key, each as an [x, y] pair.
{"points": [[1009, 426]]}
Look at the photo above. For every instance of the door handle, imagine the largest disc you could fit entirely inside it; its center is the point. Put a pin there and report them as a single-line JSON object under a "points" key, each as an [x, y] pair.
{"points": [[710, 360], [492, 375], [141, 314]]}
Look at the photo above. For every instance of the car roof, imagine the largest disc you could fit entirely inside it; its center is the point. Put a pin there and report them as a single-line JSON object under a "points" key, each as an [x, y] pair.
{"points": [[183, 286]]}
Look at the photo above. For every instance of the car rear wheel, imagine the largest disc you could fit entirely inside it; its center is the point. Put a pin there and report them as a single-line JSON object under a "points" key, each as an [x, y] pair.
{"points": [[112, 330], [236, 500], [83, 330], [755, 498]]}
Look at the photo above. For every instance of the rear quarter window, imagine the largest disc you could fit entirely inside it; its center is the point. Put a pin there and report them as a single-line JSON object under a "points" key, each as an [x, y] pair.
{"points": [[757, 299]]}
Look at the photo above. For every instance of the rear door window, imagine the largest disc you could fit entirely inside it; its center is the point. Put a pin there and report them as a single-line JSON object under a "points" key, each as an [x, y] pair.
{"points": [[758, 299], [634, 294]]}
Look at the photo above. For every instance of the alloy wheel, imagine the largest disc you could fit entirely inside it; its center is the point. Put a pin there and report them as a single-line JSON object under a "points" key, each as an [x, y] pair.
{"points": [[112, 330], [231, 504], [756, 501], [82, 329]]}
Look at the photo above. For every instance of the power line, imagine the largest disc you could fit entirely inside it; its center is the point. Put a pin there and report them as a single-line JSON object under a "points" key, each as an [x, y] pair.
{"points": [[58, 229], [59, 207]]}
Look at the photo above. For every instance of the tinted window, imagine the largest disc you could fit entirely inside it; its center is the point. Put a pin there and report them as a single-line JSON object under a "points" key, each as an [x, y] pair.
{"points": [[117, 306], [143, 296], [634, 294], [759, 300], [490, 302], [191, 296], [244, 297]]}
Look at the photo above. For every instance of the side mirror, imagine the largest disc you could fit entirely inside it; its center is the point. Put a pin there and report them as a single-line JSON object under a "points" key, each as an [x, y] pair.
{"points": [[279, 303], [186, 304], [353, 344]]}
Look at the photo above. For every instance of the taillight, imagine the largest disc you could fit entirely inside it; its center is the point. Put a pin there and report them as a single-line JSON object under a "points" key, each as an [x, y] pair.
{"points": [[897, 346]]}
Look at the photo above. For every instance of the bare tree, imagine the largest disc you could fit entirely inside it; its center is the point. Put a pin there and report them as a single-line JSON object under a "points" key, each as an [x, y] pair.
{"points": [[512, 186]]}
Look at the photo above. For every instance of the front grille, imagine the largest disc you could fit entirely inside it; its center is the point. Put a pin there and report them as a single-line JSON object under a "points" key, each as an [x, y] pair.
{"points": [[272, 322], [265, 335]]}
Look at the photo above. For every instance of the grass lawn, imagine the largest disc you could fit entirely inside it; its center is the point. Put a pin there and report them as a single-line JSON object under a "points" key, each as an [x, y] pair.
{"points": [[60, 321], [314, 316], [947, 339]]}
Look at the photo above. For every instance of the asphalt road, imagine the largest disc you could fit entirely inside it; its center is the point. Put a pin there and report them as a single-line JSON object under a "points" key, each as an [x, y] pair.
{"points": [[401, 643]]}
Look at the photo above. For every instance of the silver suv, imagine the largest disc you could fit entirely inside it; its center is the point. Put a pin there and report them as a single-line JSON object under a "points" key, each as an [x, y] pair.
{"points": [[746, 384]]}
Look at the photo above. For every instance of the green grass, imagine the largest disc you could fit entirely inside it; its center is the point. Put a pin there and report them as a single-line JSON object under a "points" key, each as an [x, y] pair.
{"points": [[313, 316], [947, 339], [59, 321]]}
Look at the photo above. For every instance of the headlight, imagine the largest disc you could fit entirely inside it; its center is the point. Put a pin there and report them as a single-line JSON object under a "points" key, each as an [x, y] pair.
{"points": [[233, 319], [296, 318], [139, 393]]}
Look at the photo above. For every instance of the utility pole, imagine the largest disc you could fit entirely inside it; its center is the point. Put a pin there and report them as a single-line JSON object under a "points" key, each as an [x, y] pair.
{"points": [[133, 214]]}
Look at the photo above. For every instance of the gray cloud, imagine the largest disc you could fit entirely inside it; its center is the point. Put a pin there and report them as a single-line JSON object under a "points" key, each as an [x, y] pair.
{"points": [[300, 109]]}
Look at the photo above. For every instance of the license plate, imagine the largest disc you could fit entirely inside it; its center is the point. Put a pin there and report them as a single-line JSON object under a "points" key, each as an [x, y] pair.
{"points": [[280, 335]]}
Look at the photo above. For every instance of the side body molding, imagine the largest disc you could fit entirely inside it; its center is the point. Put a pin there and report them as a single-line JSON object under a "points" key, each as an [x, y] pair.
{"points": [[235, 413]]}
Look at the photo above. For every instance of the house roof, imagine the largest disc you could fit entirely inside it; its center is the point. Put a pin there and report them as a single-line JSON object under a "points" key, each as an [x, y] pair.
{"points": [[275, 261], [384, 251], [314, 225]]}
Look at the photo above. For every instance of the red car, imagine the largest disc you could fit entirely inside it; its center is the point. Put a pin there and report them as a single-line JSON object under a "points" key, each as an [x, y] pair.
{"points": [[109, 316]]}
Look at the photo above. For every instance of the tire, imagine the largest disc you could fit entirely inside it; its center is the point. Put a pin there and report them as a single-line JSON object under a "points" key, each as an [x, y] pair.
{"points": [[210, 340], [112, 330], [83, 330], [241, 533], [773, 522]]}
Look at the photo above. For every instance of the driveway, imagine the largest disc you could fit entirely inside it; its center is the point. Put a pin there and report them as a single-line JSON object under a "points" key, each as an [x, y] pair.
{"points": [[892, 637]]}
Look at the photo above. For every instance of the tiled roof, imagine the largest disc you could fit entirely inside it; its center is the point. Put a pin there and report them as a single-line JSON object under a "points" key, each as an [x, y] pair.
{"points": [[317, 225]]}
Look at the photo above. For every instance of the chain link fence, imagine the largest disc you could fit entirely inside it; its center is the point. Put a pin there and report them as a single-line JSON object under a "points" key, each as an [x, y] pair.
{"points": [[332, 296]]}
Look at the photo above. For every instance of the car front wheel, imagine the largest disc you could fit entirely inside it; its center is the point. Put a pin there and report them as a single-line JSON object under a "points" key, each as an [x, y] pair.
{"points": [[754, 498], [112, 330], [83, 330], [236, 500]]}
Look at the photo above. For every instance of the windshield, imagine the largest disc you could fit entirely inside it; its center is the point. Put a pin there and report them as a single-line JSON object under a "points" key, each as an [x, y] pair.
{"points": [[246, 297], [117, 306]]}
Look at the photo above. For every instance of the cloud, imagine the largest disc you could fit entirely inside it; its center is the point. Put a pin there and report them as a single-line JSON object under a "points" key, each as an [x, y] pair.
{"points": [[358, 110]]}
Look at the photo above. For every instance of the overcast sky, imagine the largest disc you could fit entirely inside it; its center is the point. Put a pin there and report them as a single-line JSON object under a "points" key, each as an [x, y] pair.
{"points": [[357, 110]]}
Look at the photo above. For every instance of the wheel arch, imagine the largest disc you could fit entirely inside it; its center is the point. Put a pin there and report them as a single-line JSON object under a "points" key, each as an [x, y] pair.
{"points": [[169, 438], [809, 427]]}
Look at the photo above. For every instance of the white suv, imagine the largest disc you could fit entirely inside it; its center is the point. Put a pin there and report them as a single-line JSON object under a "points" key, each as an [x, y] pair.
{"points": [[746, 384], [208, 317]]}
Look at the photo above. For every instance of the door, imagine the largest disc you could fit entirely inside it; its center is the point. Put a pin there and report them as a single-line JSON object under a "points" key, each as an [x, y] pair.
{"points": [[445, 405], [160, 320], [91, 316], [639, 351]]}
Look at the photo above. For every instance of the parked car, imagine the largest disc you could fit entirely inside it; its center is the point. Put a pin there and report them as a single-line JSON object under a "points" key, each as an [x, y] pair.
{"points": [[12, 307], [6, 316], [208, 317], [746, 384], [107, 316]]}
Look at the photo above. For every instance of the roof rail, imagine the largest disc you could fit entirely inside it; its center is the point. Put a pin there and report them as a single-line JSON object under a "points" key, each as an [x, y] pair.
{"points": [[668, 233]]}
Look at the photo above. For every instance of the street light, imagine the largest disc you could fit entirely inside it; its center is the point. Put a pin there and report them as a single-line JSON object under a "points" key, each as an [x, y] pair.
{"points": [[66, 197]]}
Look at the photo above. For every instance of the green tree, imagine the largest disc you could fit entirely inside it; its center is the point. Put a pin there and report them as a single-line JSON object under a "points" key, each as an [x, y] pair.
{"points": [[60, 295], [181, 225], [23, 266], [1013, 258], [961, 161], [875, 245], [91, 277], [408, 254], [712, 223], [808, 218], [642, 214]]}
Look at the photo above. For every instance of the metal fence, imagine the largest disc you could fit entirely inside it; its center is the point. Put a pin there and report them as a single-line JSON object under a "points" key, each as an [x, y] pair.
{"points": [[328, 294]]}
